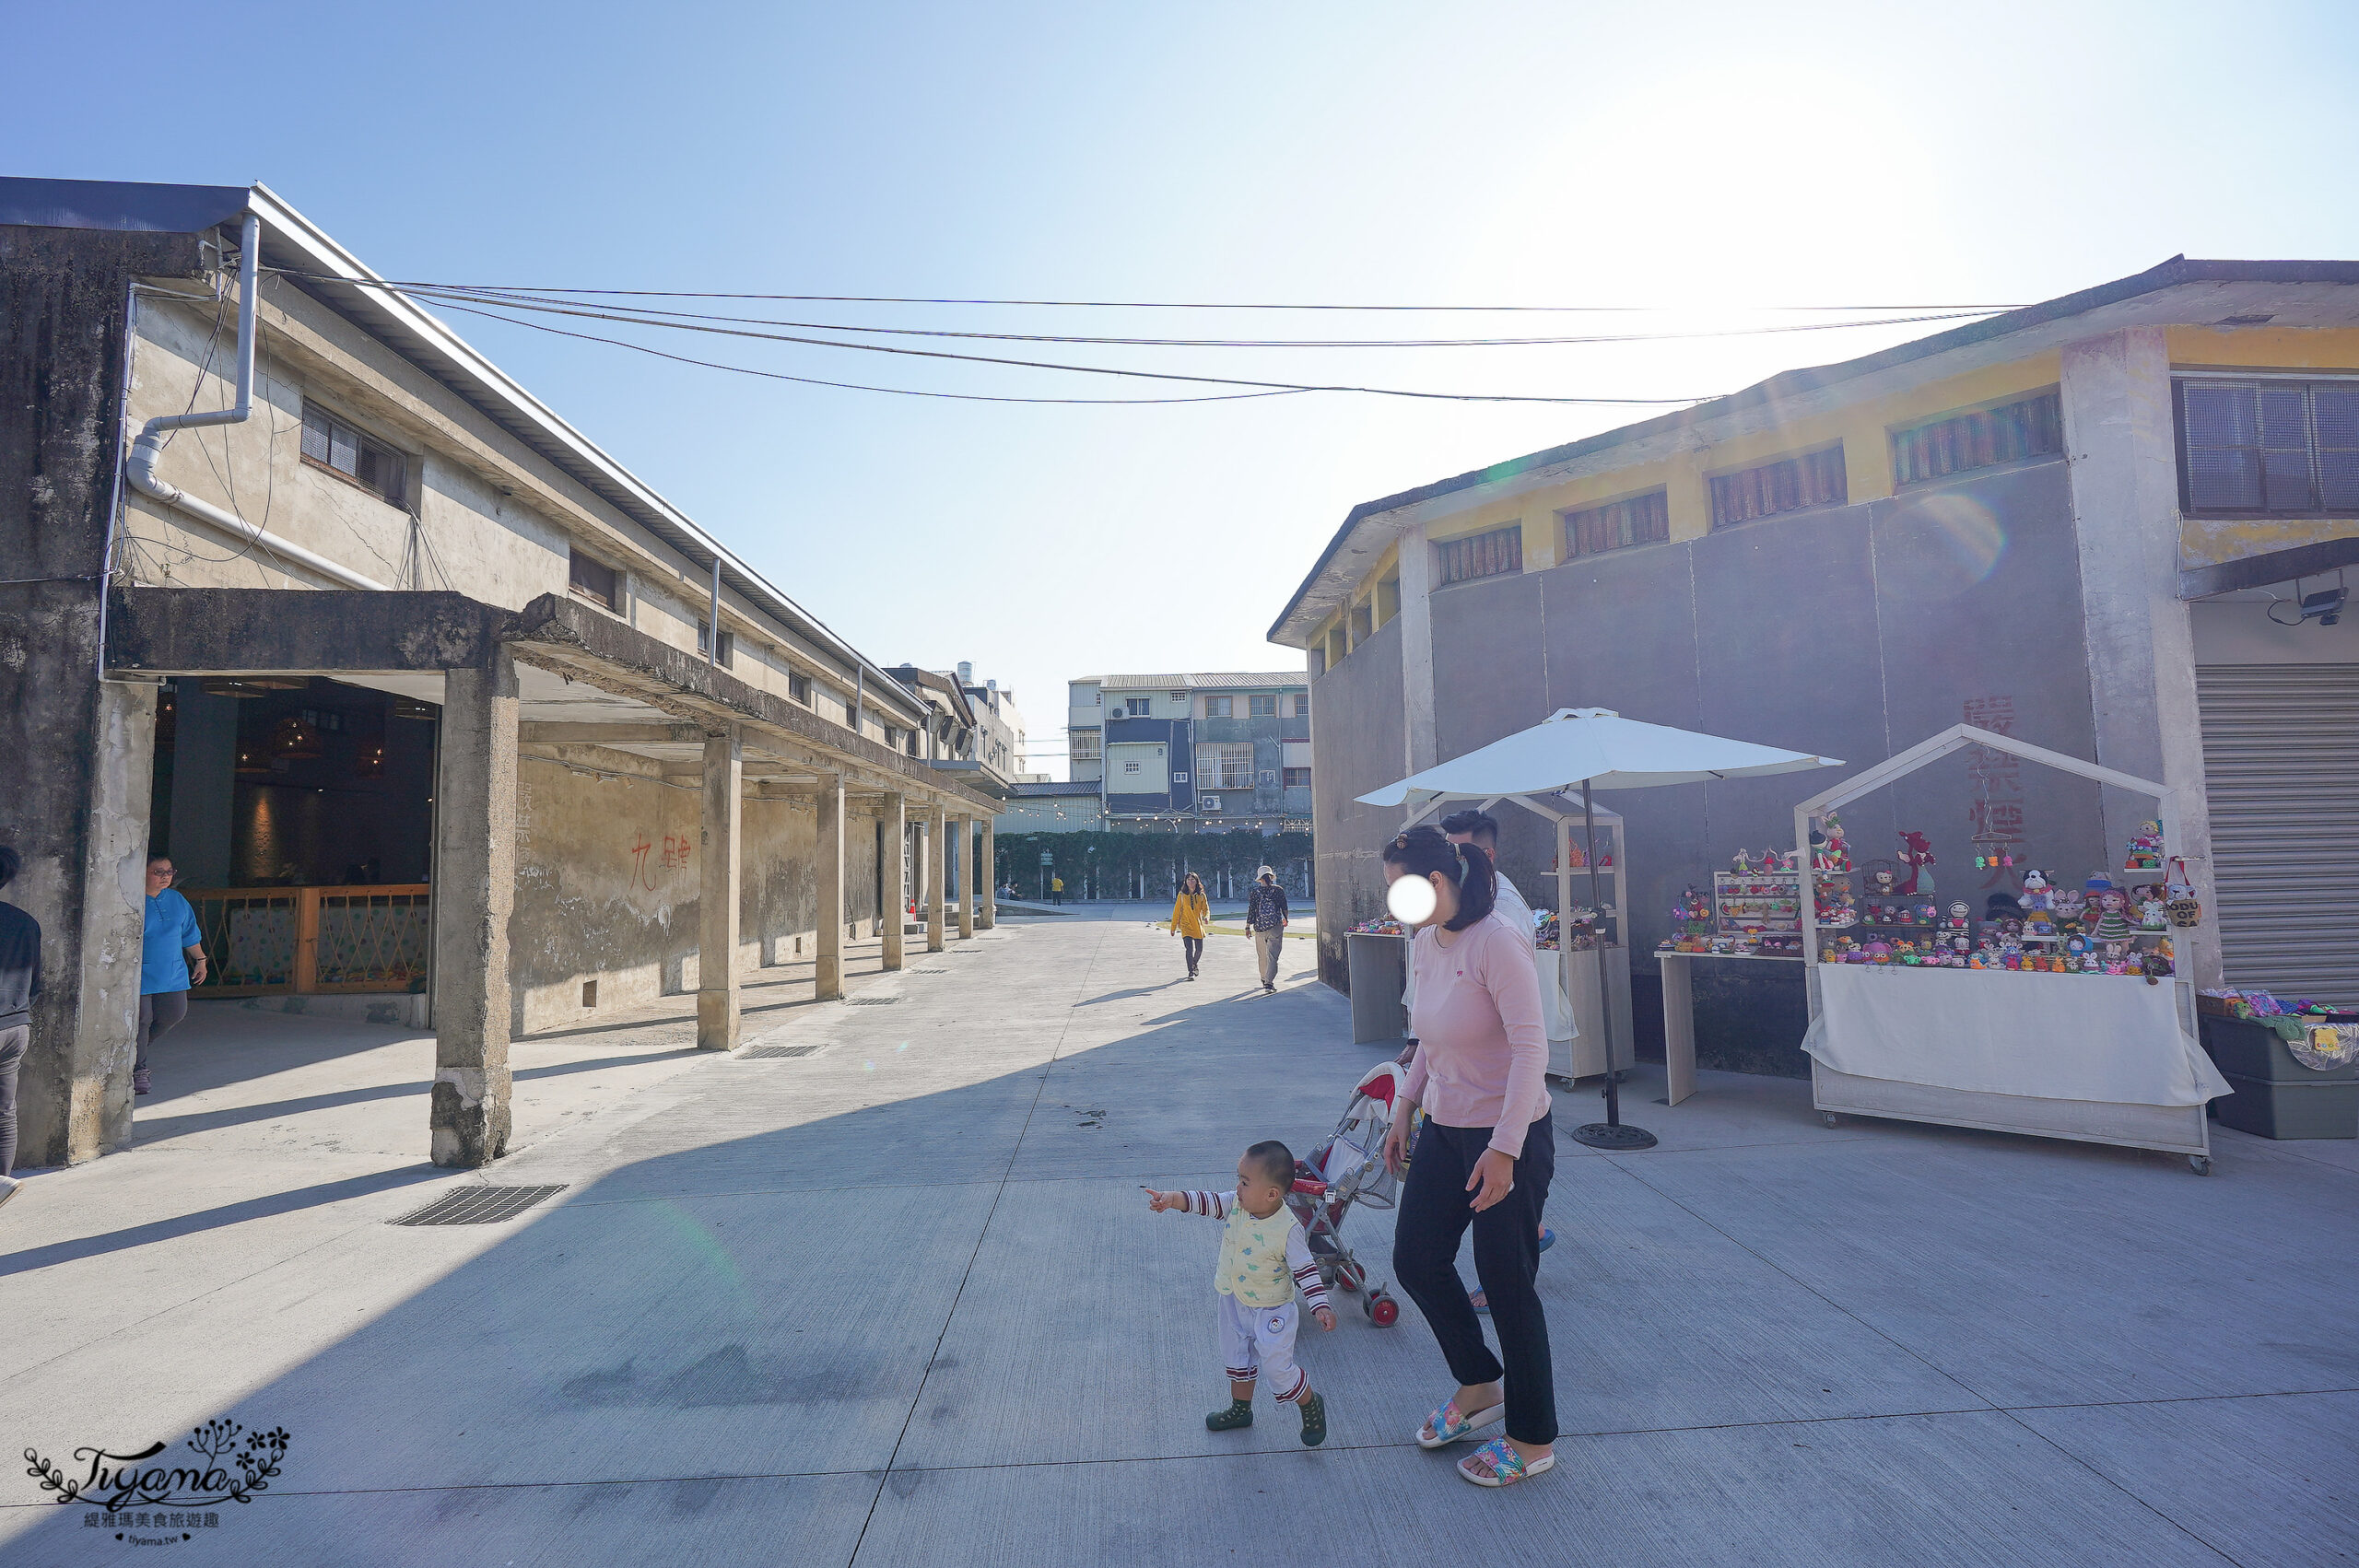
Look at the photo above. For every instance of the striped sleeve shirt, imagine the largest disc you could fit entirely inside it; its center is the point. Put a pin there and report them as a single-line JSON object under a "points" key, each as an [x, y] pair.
{"points": [[1265, 1260]]}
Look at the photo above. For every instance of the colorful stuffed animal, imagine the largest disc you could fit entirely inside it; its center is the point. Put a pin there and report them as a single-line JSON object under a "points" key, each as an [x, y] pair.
{"points": [[1918, 856]]}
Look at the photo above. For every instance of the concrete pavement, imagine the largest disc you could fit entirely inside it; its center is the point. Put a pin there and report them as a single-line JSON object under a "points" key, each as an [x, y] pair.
{"points": [[898, 1301]]}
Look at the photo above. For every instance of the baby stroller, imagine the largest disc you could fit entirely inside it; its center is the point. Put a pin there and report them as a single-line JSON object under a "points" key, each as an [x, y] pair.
{"points": [[1348, 1168]]}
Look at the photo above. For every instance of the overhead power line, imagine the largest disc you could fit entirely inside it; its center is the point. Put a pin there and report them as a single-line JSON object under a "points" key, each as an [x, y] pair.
{"points": [[1133, 304], [651, 317], [450, 301]]}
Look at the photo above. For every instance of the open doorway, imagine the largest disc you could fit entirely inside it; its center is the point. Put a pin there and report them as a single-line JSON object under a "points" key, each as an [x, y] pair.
{"points": [[298, 815]]}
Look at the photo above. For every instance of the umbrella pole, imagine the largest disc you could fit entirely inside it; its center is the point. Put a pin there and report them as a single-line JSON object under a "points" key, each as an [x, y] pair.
{"points": [[1609, 1133]]}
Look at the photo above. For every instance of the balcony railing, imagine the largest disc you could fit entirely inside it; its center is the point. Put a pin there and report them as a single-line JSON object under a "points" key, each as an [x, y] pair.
{"points": [[314, 941]]}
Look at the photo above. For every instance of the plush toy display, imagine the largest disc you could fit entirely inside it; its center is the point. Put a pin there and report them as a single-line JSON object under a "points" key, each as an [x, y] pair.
{"points": [[1918, 856], [2145, 850]]}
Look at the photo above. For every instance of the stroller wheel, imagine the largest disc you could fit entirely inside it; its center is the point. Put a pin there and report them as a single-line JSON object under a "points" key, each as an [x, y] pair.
{"points": [[1350, 1276], [1383, 1309]]}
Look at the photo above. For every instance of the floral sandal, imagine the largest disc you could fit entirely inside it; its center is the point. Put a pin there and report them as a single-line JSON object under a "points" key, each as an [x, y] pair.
{"points": [[1447, 1425], [1495, 1464]]}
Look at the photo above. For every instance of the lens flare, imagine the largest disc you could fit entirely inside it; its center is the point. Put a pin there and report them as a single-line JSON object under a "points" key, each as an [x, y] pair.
{"points": [[1950, 546]]}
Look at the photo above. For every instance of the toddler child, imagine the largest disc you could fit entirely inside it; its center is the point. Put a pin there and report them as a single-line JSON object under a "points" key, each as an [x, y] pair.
{"points": [[1264, 1259]]}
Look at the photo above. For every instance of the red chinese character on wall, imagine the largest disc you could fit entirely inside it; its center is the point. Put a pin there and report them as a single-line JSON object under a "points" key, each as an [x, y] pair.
{"points": [[1996, 811]]}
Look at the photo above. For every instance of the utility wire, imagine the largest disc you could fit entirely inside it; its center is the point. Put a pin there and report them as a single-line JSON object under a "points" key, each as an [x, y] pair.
{"points": [[650, 317], [1101, 304], [1052, 365], [852, 386]]}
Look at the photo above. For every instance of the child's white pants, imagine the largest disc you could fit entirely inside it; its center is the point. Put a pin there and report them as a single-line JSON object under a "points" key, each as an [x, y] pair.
{"points": [[1256, 1340]]}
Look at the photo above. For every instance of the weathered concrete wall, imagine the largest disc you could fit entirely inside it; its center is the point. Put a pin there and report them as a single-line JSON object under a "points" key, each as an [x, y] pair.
{"points": [[606, 879], [483, 513], [77, 754], [1852, 632], [1355, 744]]}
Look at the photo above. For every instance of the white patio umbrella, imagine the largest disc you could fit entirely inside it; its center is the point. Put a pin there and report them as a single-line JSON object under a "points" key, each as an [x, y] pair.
{"points": [[1590, 749]]}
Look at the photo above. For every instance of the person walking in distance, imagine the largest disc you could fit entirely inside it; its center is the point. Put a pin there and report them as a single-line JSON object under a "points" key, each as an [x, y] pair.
{"points": [[19, 984], [172, 959], [1056, 890], [1192, 915], [1479, 1075], [1482, 830], [1265, 917]]}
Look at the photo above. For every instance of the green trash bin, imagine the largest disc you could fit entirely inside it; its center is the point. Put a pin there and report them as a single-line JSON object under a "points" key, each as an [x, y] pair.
{"points": [[2278, 1093]]}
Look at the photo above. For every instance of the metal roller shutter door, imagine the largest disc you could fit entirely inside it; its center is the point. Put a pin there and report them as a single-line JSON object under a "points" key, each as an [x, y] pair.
{"points": [[2280, 767]]}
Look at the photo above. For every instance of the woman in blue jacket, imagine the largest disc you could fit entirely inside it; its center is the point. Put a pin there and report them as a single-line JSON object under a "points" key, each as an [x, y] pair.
{"points": [[171, 958]]}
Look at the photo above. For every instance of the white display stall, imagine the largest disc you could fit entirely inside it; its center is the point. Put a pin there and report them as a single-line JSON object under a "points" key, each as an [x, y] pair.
{"points": [[2098, 1058]]}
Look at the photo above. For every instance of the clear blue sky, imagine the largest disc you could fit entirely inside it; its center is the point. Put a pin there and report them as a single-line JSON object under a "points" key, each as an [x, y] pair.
{"points": [[1704, 156]]}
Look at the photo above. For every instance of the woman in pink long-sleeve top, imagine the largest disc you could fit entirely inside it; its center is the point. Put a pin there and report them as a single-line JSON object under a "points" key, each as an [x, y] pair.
{"points": [[1484, 1158]]}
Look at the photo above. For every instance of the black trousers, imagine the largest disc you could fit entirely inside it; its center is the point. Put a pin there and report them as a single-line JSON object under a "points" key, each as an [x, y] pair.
{"points": [[1195, 946], [13, 1042], [1435, 1210], [160, 1012]]}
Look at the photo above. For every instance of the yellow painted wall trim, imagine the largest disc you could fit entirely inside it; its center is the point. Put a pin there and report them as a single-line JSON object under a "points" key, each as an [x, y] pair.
{"points": [[2263, 348]]}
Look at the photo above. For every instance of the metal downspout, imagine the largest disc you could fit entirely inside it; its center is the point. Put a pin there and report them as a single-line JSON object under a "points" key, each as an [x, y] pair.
{"points": [[149, 444]]}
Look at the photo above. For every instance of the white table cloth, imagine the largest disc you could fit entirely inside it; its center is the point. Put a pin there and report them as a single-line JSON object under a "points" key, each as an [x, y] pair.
{"points": [[2103, 1038]]}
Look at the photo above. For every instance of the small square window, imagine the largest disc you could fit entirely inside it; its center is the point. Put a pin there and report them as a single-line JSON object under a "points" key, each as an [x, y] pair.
{"points": [[1297, 778], [799, 688], [1263, 707], [728, 645], [1219, 707], [1135, 707], [1302, 705], [593, 580], [330, 443]]}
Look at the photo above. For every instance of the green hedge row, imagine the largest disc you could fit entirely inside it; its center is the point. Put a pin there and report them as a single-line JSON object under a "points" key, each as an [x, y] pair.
{"points": [[1149, 865]]}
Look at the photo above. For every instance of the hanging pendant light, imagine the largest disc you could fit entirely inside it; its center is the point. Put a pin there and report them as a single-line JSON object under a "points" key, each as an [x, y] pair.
{"points": [[295, 738]]}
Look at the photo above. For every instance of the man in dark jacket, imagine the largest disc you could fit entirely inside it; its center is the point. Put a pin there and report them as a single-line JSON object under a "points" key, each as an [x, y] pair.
{"points": [[19, 983], [1265, 917]]}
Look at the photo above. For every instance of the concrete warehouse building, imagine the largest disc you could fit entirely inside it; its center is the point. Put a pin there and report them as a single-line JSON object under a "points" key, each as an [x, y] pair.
{"points": [[2113, 524], [442, 710]]}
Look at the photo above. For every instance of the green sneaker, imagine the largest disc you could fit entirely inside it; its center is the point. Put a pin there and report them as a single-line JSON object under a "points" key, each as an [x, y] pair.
{"points": [[1239, 1413], [1314, 1420]]}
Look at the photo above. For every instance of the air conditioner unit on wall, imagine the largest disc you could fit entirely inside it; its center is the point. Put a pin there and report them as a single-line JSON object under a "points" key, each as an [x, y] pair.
{"points": [[1210, 802]]}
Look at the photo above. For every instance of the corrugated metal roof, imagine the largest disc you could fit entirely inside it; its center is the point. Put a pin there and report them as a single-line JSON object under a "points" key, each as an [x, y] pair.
{"points": [[1218, 681], [1059, 787]]}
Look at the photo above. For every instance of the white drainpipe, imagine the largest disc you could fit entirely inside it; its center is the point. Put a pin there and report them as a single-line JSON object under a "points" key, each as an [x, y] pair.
{"points": [[150, 445]]}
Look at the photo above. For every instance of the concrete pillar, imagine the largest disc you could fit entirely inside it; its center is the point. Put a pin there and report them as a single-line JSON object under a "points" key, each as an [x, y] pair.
{"points": [[829, 973], [475, 892], [962, 855], [204, 780], [937, 841], [81, 823], [1417, 650], [2120, 433], [889, 877], [991, 876], [719, 883]]}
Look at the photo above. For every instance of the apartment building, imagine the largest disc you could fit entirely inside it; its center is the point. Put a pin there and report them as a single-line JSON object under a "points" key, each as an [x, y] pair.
{"points": [[1194, 753]]}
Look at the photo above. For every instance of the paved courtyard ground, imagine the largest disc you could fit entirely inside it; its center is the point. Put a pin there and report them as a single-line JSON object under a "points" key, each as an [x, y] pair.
{"points": [[898, 1302]]}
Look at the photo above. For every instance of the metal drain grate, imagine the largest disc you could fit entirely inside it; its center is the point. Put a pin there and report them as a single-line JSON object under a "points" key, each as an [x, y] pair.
{"points": [[478, 1205], [771, 1053], [929, 971], [874, 1000]]}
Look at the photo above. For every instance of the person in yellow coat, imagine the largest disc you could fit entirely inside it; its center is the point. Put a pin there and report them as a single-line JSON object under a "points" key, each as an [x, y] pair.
{"points": [[1191, 917]]}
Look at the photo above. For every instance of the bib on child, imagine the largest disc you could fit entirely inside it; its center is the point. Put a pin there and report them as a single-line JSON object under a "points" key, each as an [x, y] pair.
{"points": [[1253, 1257]]}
